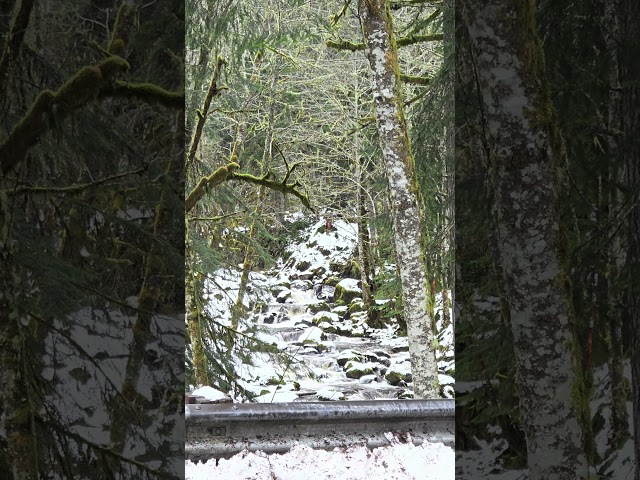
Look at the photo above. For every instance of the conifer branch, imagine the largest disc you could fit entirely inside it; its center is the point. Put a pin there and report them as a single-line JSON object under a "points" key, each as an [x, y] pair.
{"points": [[76, 187]]}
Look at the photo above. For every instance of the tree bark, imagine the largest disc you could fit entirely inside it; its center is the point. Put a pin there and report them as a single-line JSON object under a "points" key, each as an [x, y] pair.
{"points": [[381, 51], [523, 149], [629, 74]]}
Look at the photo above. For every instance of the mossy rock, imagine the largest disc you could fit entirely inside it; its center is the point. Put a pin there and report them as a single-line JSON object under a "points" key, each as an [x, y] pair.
{"points": [[318, 307], [346, 290], [341, 311], [356, 305], [332, 281], [324, 316], [394, 377], [358, 370], [303, 265]]}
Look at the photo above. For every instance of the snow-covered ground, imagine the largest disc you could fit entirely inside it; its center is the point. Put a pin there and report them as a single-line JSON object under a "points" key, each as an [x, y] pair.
{"points": [[398, 461], [294, 307]]}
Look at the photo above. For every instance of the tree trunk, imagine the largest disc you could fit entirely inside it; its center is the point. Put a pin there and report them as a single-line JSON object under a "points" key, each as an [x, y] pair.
{"points": [[615, 243], [363, 234], [523, 151], [382, 54], [629, 74]]}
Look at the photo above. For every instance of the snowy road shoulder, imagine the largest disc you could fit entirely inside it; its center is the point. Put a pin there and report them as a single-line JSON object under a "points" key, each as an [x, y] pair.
{"points": [[399, 461]]}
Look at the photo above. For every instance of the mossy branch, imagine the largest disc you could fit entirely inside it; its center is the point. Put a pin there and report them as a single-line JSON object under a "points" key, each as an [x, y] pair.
{"points": [[122, 27], [397, 4], [400, 42], [146, 92], [415, 80], [345, 45], [228, 172], [213, 91], [82, 88], [222, 174], [286, 188], [411, 39], [334, 19]]}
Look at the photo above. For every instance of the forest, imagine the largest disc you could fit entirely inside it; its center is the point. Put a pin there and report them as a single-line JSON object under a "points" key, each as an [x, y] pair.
{"points": [[281, 201], [315, 208]]}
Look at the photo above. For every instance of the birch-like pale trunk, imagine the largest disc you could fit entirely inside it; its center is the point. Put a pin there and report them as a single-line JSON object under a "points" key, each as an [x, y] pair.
{"points": [[523, 154], [381, 51]]}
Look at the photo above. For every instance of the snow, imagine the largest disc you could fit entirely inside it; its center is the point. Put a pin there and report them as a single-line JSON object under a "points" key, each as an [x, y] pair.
{"points": [[398, 461], [209, 393]]}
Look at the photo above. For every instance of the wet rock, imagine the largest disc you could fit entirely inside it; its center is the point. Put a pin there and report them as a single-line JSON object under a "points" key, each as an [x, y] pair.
{"points": [[395, 377], [348, 355], [301, 284], [405, 394], [325, 346], [381, 353], [319, 271], [325, 292], [276, 289], [283, 295]]}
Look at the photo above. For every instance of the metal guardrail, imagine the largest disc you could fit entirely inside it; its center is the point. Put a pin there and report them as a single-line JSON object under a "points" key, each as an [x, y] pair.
{"points": [[222, 430]]}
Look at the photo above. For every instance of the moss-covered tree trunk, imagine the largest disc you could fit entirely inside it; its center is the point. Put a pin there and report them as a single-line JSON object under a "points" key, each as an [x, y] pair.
{"points": [[194, 285], [523, 150], [382, 53]]}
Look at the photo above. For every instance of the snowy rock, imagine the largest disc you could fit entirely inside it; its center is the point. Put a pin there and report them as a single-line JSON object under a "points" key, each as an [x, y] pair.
{"points": [[367, 378], [325, 292], [325, 317], [357, 369], [283, 296], [276, 289], [356, 305], [278, 397], [210, 395], [341, 310], [348, 355], [301, 284], [330, 394], [346, 290], [312, 335]]}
